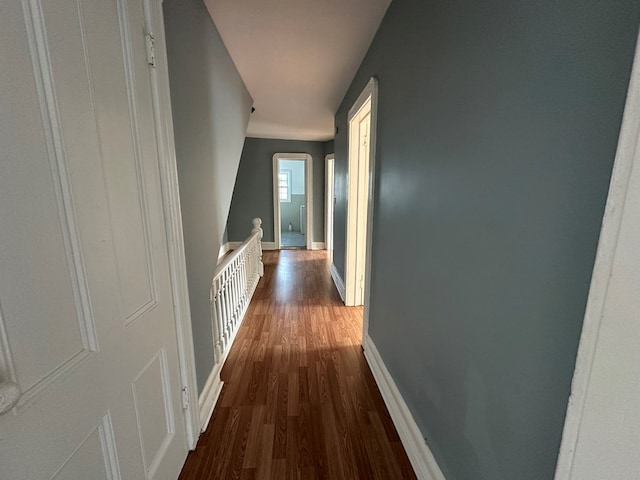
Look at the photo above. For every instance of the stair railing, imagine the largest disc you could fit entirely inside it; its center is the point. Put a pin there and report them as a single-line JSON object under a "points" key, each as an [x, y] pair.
{"points": [[233, 285]]}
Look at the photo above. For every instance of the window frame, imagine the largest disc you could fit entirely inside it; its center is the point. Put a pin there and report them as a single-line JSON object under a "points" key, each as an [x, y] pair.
{"points": [[287, 173]]}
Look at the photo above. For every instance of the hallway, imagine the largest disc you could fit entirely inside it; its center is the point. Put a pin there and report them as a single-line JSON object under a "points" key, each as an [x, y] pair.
{"points": [[298, 400]]}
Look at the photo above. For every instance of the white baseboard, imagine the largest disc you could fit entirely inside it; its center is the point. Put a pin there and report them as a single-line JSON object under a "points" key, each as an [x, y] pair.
{"points": [[337, 280], [209, 396], [423, 462], [268, 245], [317, 246], [212, 388]]}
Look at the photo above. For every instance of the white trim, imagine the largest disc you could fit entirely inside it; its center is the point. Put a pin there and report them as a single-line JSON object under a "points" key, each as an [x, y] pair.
{"points": [[224, 248], [317, 246], [337, 280], [287, 173], [628, 148], [276, 204], [269, 246], [422, 460], [308, 168], [329, 166], [309, 204], [209, 396], [370, 91], [159, 77]]}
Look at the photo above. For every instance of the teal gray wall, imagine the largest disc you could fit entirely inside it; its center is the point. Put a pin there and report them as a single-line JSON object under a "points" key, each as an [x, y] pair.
{"points": [[328, 147], [253, 193], [211, 108], [497, 129]]}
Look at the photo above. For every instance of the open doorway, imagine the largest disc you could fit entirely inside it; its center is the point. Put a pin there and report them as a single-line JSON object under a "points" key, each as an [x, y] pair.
{"points": [[292, 200], [330, 199], [362, 145]]}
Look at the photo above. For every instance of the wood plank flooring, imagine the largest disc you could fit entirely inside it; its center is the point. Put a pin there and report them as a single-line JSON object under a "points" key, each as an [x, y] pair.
{"points": [[299, 400]]}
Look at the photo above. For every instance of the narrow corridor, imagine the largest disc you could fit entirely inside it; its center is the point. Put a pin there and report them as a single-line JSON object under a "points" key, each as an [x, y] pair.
{"points": [[299, 400]]}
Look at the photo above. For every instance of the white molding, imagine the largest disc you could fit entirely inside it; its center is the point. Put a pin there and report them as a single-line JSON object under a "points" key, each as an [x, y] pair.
{"points": [[61, 177], [309, 204], [370, 91], [318, 246], [227, 247], [308, 167], [329, 164], [337, 280], [209, 396], [269, 246], [628, 149], [224, 248], [173, 218], [422, 460], [276, 204]]}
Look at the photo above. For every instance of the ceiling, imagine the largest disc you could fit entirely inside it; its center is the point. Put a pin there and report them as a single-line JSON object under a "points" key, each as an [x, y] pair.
{"points": [[297, 58]]}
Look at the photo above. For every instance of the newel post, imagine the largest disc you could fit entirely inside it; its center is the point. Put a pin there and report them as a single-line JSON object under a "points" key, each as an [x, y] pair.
{"points": [[257, 222]]}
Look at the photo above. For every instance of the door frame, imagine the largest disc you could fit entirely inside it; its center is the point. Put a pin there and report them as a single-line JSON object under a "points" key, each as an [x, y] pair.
{"points": [[159, 78], [369, 93], [329, 195], [591, 341], [308, 178]]}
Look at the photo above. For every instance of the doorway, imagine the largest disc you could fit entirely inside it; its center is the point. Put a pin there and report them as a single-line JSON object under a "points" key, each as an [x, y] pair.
{"points": [[330, 199], [292, 200], [361, 168]]}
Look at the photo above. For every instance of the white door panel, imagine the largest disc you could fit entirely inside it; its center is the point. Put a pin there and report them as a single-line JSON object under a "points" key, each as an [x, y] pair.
{"points": [[358, 200], [87, 322]]}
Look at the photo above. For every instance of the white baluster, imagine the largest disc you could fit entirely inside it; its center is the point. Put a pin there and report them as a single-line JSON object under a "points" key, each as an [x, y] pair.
{"points": [[257, 222], [214, 322], [232, 287], [220, 320]]}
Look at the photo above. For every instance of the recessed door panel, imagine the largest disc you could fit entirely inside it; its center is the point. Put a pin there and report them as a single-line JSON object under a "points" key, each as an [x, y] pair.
{"points": [[86, 312], [151, 393], [95, 458]]}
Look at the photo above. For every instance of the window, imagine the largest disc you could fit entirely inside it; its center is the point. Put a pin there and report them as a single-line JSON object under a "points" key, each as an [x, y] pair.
{"points": [[284, 185]]}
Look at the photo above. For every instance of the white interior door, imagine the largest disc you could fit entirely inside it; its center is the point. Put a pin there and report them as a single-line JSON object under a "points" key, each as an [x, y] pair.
{"points": [[87, 327], [357, 207], [364, 123]]}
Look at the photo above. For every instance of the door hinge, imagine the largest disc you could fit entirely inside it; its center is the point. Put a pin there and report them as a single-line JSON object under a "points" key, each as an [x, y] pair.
{"points": [[151, 49], [185, 398]]}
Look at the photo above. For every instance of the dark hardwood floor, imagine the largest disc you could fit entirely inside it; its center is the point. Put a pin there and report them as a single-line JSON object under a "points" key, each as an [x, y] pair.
{"points": [[299, 400]]}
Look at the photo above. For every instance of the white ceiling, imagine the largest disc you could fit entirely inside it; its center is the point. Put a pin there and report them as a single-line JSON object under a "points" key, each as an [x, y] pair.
{"points": [[297, 58]]}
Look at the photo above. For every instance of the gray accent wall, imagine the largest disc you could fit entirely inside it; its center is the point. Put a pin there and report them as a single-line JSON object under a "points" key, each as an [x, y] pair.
{"points": [[497, 129], [211, 108], [328, 147], [253, 192]]}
